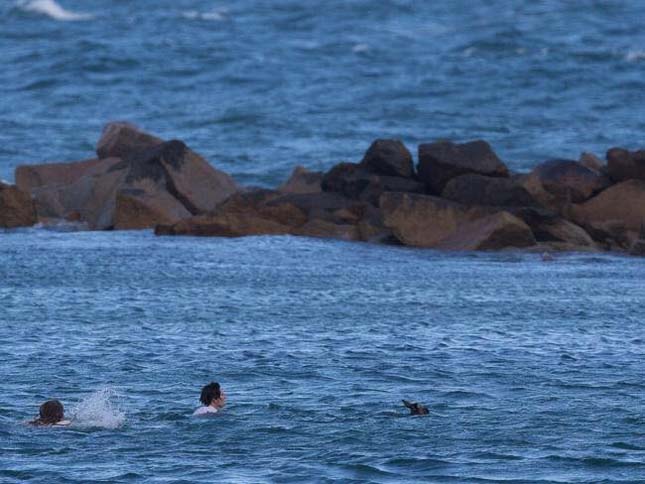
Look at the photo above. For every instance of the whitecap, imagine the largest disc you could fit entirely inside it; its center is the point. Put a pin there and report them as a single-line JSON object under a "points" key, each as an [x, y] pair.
{"points": [[213, 15], [360, 48], [98, 410], [468, 52], [52, 10], [635, 55]]}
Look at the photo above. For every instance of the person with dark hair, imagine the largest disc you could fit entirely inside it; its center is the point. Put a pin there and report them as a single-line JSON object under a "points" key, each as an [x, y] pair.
{"points": [[213, 399], [51, 413]]}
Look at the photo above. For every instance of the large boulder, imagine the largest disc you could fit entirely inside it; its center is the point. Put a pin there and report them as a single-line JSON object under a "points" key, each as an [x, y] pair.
{"points": [[556, 184], [160, 184], [616, 214], [443, 160], [591, 161], [390, 158], [31, 177], [89, 197], [354, 181], [494, 232], [120, 139], [423, 220], [473, 189], [624, 165], [182, 173], [302, 181], [551, 229], [16, 207]]}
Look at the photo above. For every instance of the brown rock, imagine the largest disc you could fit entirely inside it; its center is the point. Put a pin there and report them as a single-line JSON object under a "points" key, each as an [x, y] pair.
{"points": [[329, 230], [145, 207], [424, 221], [390, 158], [16, 207], [302, 181], [121, 139], [494, 232], [625, 165], [638, 248], [30, 177], [548, 227], [473, 189], [184, 174], [615, 214], [591, 161], [89, 198], [355, 182], [556, 184], [225, 225], [443, 160]]}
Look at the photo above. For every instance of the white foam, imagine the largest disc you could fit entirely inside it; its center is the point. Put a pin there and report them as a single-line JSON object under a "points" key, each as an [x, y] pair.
{"points": [[360, 48], [214, 15], [635, 55], [52, 10], [98, 410]]}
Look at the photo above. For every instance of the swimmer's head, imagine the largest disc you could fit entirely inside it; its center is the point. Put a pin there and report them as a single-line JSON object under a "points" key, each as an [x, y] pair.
{"points": [[51, 412], [210, 393]]}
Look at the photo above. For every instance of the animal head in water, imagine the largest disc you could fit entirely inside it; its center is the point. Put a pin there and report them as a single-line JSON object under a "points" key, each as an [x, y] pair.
{"points": [[416, 408]]}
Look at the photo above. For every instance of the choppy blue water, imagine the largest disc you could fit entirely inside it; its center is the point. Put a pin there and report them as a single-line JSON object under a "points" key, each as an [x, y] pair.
{"points": [[258, 86], [532, 371]]}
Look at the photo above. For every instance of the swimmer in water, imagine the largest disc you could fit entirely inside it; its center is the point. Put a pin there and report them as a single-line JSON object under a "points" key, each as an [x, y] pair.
{"points": [[213, 399], [51, 413]]}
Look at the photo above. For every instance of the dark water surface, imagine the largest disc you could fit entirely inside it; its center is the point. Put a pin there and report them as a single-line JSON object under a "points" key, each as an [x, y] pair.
{"points": [[258, 86], [532, 371]]}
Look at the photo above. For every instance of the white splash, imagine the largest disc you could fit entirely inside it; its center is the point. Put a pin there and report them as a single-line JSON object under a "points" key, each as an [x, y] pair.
{"points": [[635, 55], [360, 48], [98, 410], [52, 10], [214, 15]]}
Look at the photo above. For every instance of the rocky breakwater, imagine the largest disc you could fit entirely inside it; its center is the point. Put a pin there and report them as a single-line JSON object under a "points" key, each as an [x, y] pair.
{"points": [[136, 181], [456, 197]]}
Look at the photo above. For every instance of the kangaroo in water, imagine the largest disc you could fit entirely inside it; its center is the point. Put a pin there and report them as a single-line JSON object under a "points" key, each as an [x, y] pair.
{"points": [[416, 408]]}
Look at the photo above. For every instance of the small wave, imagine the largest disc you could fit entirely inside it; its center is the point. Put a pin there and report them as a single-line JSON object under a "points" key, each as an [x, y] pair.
{"points": [[52, 10], [98, 410], [360, 48], [213, 15], [635, 55]]}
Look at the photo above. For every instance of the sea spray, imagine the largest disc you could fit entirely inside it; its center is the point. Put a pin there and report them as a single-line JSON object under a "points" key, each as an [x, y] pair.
{"points": [[99, 410], [52, 10]]}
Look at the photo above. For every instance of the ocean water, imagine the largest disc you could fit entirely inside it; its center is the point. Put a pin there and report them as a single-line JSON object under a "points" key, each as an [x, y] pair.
{"points": [[532, 371], [258, 86]]}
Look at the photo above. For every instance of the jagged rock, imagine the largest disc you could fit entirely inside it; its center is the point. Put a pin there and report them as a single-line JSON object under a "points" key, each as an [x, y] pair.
{"points": [[473, 189], [625, 165], [556, 184], [121, 139], [89, 197], [146, 187], [141, 208], [324, 229], [548, 227], [423, 220], [16, 207], [31, 177], [591, 161], [390, 158], [638, 248], [616, 214], [302, 181], [443, 160], [355, 182], [494, 232]]}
